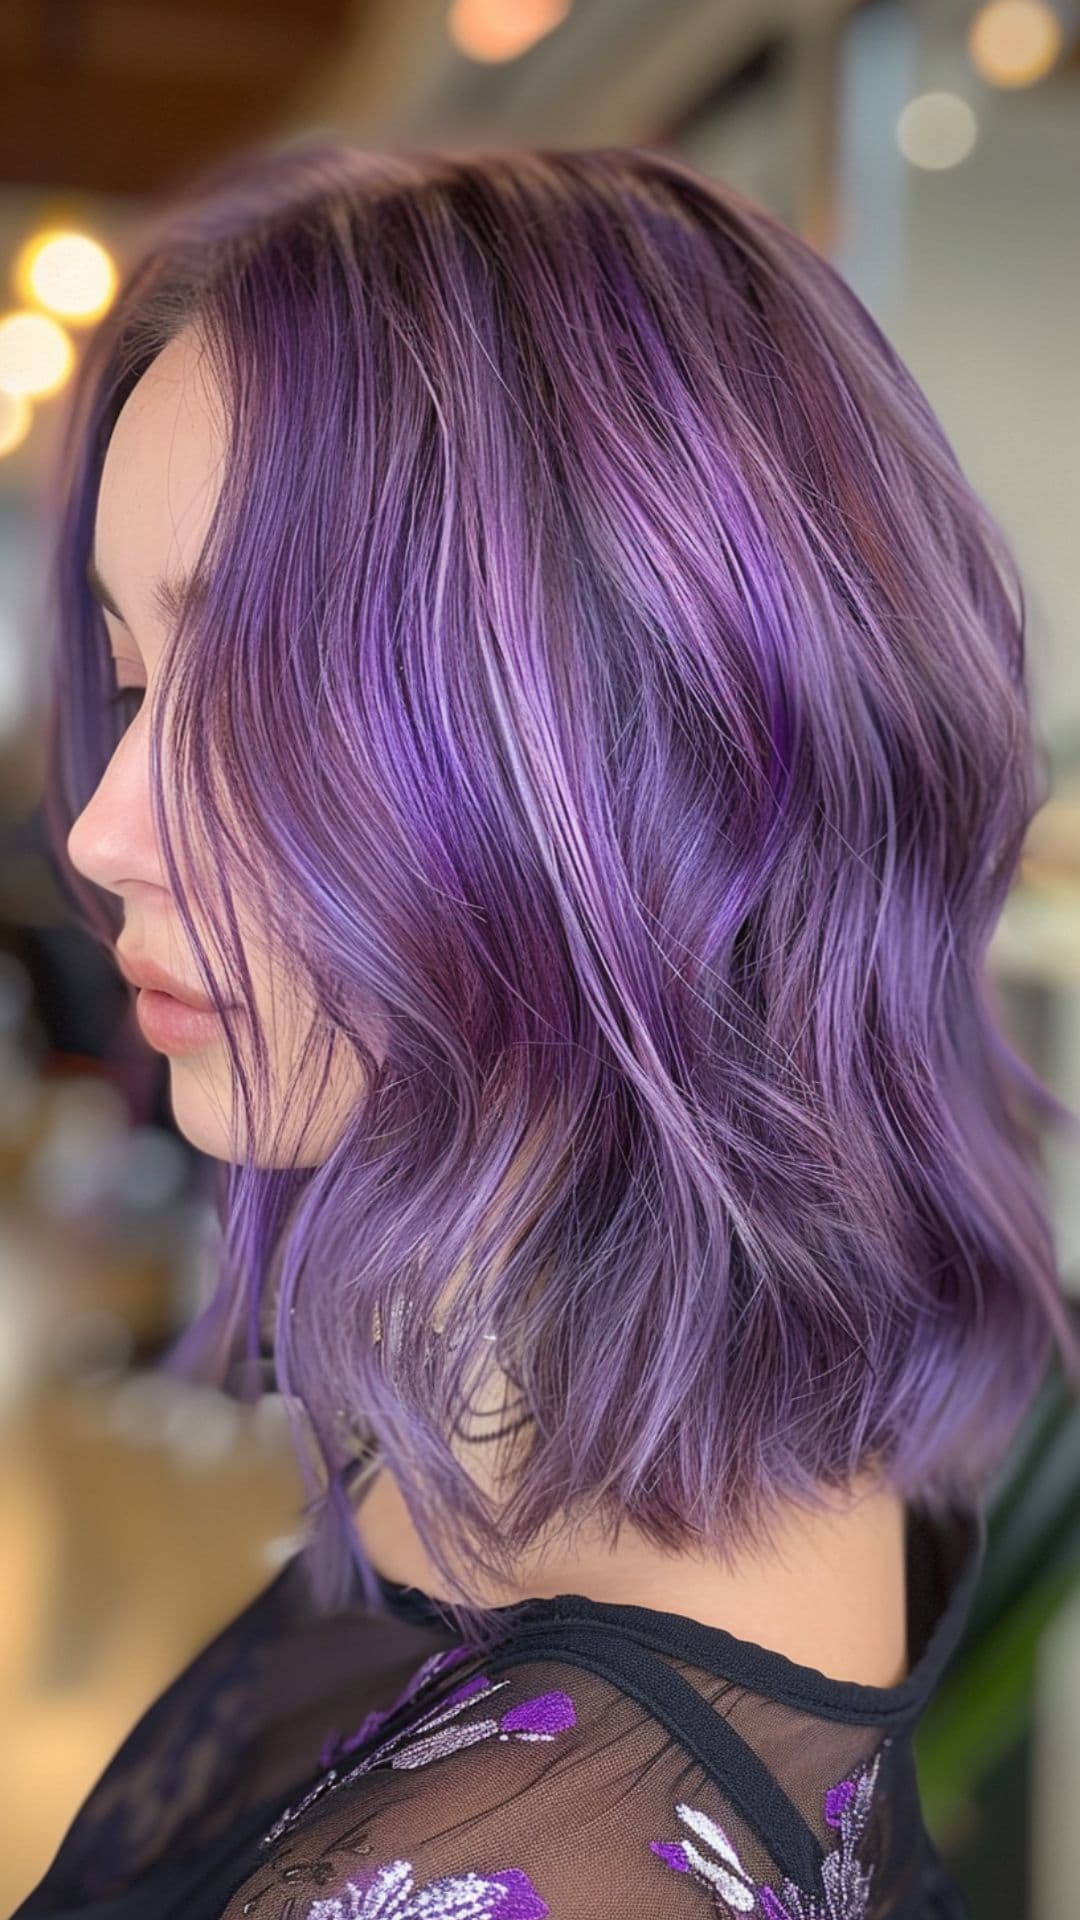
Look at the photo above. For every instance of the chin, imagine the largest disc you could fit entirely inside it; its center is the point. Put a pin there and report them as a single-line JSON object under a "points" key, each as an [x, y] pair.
{"points": [[205, 1112], [198, 1107]]}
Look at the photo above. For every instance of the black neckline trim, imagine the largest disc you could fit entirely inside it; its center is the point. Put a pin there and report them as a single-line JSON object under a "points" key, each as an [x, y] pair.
{"points": [[669, 1697], [944, 1557]]}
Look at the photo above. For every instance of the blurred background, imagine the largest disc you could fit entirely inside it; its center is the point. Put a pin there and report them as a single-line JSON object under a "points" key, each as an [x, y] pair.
{"points": [[933, 152]]}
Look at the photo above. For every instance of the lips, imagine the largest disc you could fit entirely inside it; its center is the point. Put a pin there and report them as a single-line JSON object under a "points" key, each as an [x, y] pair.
{"points": [[145, 972], [174, 1027]]}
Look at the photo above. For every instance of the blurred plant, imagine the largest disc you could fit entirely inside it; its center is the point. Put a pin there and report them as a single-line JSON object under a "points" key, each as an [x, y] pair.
{"points": [[983, 1705]]}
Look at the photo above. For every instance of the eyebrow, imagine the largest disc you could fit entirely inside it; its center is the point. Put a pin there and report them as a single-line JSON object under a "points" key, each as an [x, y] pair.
{"points": [[170, 596]]}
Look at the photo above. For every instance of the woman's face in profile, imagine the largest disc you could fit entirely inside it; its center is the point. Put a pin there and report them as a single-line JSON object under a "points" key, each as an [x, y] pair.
{"points": [[158, 488]]}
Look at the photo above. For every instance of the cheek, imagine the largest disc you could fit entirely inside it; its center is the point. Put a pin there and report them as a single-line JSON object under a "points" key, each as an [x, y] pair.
{"points": [[311, 1100]]}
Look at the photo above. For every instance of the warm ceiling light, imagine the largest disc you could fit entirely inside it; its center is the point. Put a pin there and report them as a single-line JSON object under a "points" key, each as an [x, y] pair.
{"points": [[67, 272], [36, 354], [1013, 43], [15, 416], [492, 30], [936, 130]]}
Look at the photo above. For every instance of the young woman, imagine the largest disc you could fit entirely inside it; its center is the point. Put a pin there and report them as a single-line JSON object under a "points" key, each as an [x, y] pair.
{"points": [[541, 716]]}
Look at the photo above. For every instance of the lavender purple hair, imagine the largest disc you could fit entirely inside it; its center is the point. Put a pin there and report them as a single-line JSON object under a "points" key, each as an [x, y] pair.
{"points": [[619, 694]]}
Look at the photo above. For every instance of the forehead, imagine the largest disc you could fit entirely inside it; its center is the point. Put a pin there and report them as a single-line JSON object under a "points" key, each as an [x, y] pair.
{"points": [[160, 478]]}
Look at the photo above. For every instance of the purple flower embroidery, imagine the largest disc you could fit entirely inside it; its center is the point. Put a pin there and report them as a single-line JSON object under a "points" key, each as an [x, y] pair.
{"points": [[428, 1670], [725, 1875], [845, 1881], [437, 1732], [837, 1799], [393, 1895]]}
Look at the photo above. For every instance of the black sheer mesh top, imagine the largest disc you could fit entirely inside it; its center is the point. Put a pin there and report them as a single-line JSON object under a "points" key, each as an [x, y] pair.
{"points": [[606, 1762]]}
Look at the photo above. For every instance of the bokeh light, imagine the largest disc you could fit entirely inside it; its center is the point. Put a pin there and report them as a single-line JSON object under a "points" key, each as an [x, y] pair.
{"points": [[36, 355], [15, 416], [69, 273], [493, 30], [1014, 43], [936, 130]]}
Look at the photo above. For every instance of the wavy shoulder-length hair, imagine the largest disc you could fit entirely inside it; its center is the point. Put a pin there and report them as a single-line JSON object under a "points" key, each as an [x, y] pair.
{"points": [[607, 687]]}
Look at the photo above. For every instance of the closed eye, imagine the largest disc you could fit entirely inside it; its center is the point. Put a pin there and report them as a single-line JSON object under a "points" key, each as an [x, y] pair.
{"points": [[116, 699]]}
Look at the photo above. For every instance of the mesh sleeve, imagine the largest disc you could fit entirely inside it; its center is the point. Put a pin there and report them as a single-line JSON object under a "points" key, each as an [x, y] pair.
{"points": [[549, 1791]]}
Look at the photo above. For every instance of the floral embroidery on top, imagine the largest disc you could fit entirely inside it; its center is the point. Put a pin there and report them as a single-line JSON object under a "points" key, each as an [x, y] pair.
{"points": [[393, 1895], [335, 1747], [439, 1731], [845, 1881]]}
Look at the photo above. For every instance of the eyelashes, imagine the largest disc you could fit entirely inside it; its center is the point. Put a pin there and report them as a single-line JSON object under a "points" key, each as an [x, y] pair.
{"points": [[114, 701]]}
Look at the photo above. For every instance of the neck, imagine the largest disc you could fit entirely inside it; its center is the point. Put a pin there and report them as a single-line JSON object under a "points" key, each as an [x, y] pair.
{"points": [[829, 1592]]}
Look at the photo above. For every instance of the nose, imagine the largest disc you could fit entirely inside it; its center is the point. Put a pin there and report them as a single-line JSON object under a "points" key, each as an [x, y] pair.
{"points": [[112, 842]]}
